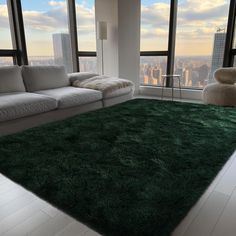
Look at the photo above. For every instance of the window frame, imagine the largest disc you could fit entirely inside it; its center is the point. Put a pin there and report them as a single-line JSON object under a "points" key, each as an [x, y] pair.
{"points": [[170, 52], [18, 53], [229, 52], [76, 54]]}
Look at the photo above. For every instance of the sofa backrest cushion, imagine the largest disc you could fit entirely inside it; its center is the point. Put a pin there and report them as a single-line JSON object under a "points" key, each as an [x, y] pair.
{"points": [[44, 77], [11, 79]]}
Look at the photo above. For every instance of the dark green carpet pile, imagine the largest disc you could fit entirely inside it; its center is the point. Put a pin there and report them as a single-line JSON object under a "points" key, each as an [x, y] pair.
{"points": [[133, 169]]}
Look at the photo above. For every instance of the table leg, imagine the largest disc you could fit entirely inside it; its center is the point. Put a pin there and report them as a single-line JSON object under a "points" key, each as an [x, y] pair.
{"points": [[162, 91], [172, 91], [180, 91]]}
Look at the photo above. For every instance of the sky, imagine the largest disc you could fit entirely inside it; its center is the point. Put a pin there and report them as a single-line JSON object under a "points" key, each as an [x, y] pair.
{"points": [[43, 4], [197, 22]]}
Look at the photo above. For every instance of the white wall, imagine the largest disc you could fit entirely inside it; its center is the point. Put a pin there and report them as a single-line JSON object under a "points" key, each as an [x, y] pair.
{"points": [[122, 48], [188, 94], [106, 10], [129, 40]]}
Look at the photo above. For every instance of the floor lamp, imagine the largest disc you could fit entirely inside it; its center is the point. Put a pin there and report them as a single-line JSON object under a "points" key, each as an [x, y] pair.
{"points": [[102, 35]]}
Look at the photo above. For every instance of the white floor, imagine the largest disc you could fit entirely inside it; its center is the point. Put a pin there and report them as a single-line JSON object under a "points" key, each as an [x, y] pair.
{"points": [[22, 213], [215, 212]]}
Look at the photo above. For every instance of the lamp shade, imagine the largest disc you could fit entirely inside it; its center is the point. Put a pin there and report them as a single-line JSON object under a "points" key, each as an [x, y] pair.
{"points": [[102, 30]]}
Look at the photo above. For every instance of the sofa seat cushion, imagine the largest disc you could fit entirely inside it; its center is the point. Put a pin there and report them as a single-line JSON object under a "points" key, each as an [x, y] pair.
{"points": [[18, 105], [70, 96], [44, 77], [109, 86]]}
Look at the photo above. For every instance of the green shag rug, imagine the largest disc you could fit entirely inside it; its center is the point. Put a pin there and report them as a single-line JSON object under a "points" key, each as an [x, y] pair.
{"points": [[133, 169]]}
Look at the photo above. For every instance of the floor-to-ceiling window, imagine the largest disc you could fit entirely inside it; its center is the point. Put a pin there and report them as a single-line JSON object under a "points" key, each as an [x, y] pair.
{"points": [[200, 40], [45, 29], [154, 40], [86, 30], [47, 33], [6, 45]]}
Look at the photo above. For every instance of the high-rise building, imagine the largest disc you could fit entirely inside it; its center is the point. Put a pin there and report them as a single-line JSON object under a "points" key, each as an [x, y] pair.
{"points": [[186, 79], [218, 53], [156, 73], [62, 50]]}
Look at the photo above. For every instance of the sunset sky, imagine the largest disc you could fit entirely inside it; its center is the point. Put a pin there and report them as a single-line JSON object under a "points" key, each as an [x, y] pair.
{"points": [[197, 22]]}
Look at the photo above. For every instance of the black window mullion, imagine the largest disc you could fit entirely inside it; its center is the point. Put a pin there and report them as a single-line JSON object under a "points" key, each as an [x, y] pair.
{"points": [[17, 31], [228, 54], [73, 34], [87, 54], [171, 41], [15, 41], [153, 53], [13, 53]]}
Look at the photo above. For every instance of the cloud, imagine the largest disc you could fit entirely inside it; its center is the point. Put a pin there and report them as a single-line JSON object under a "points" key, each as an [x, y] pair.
{"points": [[40, 25], [55, 19], [35, 20], [155, 15], [154, 34], [56, 4], [190, 12], [203, 10], [196, 23], [4, 22]]}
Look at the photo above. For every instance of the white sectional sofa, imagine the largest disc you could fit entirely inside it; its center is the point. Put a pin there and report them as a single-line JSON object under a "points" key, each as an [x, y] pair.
{"points": [[35, 95]]}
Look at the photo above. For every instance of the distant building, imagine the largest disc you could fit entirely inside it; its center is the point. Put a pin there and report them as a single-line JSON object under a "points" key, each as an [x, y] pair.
{"points": [[186, 79], [156, 73], [218, 54], [62, 50]]}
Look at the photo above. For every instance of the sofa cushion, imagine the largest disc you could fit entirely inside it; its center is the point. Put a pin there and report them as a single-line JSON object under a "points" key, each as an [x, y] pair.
{"points": [[118, 92], [226, 75], [18, 105], [109, 86], [70, 96], [80, 76], [11, 79], [44, 77]]}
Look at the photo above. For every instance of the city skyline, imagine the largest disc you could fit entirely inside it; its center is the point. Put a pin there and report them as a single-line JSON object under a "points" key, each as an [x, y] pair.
{"points": [[195, 72]]}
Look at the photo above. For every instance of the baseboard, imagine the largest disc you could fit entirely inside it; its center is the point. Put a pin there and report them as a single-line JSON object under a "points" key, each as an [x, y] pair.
{"points": [[190, 94]]}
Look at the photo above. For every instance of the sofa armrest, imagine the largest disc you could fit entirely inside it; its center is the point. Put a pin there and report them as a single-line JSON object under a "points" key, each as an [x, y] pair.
{"points": [[80, 76]]}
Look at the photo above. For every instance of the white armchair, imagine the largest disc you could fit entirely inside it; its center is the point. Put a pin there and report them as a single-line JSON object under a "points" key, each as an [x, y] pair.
{"points": [[224, 91]]}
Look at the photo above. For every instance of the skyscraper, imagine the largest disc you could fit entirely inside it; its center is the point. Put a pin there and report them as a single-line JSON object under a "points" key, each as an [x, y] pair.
{"points": [[62, 50], [218, 53]]}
